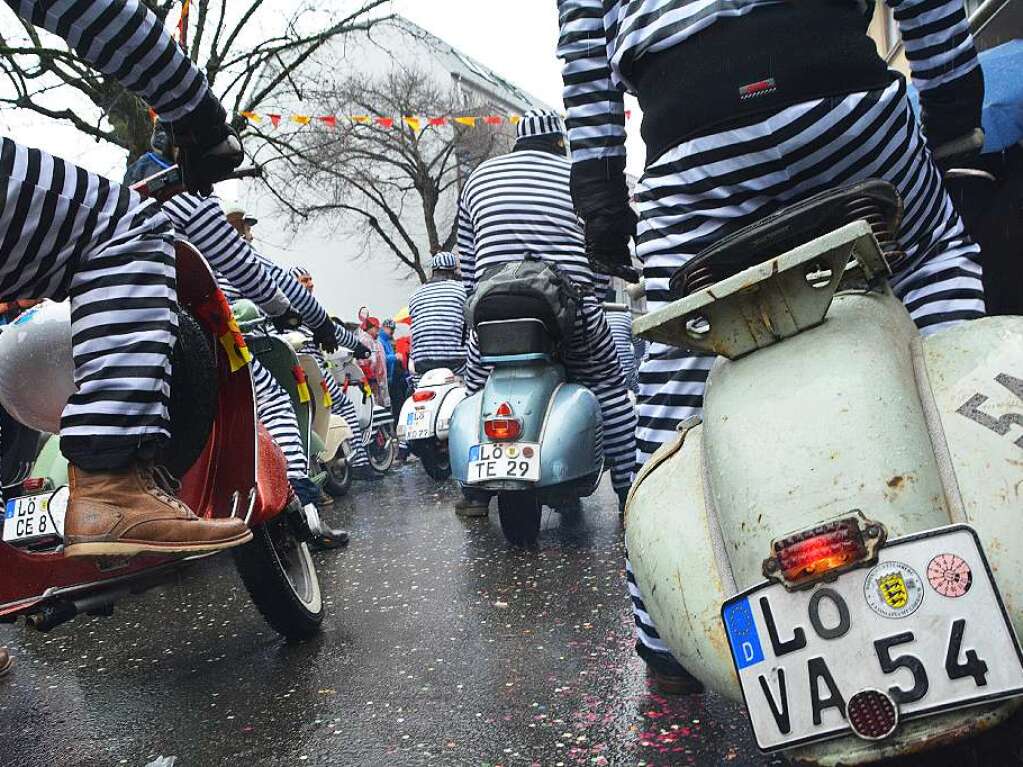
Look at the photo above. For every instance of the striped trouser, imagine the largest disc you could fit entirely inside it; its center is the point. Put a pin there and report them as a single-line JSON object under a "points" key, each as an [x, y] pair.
{"points": [[275, 412], [710, 186], [590, 359], [65, 232]]}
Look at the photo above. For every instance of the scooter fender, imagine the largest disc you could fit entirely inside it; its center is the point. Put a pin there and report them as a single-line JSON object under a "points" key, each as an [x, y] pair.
{"points": [[445, 411]]}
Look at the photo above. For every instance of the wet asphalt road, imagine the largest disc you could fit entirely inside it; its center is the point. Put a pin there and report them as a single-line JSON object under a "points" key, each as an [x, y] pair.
{"points": [[441, 646]]}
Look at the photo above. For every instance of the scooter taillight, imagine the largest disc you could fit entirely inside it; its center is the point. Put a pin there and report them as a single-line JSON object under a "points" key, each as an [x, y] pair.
{"points": [[33, 484], [503, 429], [423, 395], [823, 552]]}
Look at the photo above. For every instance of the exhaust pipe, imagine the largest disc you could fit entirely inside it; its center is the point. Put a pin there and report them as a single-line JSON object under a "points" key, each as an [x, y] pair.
{"points": [[52, 615]]}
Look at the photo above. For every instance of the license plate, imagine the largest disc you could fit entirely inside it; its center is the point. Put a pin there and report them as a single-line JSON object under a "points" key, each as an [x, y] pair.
{"points": [[505, 460], [418, 424], [30, 518], [925, 625]]}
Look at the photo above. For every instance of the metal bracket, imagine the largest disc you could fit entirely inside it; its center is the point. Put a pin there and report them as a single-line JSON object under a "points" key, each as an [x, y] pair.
{"points": [[771, 301]]}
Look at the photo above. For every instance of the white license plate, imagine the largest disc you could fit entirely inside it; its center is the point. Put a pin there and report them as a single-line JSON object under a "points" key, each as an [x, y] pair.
{"points": [[504, 460], [30, 518], [418, 424], [926, 625]]}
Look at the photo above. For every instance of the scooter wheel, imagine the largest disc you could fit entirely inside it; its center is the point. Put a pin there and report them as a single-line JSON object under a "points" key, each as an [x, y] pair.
{"points": [[280, 576], [339, 478], [520, 517], [436, 463]]}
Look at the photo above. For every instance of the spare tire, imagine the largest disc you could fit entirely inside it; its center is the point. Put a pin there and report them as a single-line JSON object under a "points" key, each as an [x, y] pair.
{"points": [[193, 402]]}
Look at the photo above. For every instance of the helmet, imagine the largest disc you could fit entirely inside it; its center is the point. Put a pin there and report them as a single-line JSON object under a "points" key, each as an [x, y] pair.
{"points": [[36, 366]]}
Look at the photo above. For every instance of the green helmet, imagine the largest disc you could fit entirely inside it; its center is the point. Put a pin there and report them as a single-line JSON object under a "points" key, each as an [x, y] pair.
{"points": [[246, 311]]}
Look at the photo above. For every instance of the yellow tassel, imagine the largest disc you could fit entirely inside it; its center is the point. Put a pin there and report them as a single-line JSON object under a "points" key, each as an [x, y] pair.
{"points": [[237, 357], [303, 392], [327, 399]]}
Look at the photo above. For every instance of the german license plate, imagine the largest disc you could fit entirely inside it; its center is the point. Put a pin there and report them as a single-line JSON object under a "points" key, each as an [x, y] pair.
{"points": [[504, 460], [29, 519], [925, 625], [418, 424]]}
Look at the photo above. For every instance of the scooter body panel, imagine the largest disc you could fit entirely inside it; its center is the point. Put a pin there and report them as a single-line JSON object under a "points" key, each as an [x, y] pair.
{"points": [[563, 418], [858, 412]]}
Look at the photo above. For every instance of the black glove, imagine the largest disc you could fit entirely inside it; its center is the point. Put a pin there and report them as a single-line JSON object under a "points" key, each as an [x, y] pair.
{"points": [[208, 149], [290, 320], [601, 198], [325, 336], [607, 241], [361, 351]]}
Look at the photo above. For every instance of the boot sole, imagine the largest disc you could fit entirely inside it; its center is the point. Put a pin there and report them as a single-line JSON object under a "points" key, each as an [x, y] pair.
{"points": [[136, 548], [477, 512]]}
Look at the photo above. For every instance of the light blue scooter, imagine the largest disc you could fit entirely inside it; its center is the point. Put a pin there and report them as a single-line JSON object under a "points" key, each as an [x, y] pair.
{"points": [[529, 436]]}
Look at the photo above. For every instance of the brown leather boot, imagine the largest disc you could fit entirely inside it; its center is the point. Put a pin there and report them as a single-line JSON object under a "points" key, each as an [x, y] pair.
{"points": [[6, 661], [125, 513]]}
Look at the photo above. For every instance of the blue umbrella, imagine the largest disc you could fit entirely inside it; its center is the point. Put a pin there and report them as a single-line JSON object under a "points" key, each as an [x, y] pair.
{"points": [[1003, 96]]}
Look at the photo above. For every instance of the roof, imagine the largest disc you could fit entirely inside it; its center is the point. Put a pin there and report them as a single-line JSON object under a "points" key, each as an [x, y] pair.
{"points": [[466, 69]]}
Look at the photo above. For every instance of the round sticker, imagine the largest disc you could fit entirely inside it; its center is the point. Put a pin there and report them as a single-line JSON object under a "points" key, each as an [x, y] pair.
{"points": [[949, 575], [893, 590]]}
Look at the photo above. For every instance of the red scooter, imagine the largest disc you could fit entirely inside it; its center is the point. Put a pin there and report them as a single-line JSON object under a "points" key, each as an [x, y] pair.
{"points": [[228, 465]]}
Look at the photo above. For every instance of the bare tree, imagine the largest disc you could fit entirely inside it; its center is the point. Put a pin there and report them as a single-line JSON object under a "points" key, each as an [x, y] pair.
{"points": [[396, 182], [40, 71]]}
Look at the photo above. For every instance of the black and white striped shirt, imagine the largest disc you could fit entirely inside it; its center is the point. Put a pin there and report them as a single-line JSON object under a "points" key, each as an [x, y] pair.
{"points": [[620, 323], [202, 222], [520, 204], [602, 39], [125, 41], [438, 321], [302, 301]]}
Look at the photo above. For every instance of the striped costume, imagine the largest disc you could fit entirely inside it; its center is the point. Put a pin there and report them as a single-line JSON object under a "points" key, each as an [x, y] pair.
{"points": [[520, 204], [620, 322], [715, 182], [66, 233], [438, 325]]}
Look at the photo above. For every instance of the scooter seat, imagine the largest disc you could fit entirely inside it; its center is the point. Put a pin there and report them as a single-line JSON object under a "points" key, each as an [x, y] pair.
{"points": [[874, 200]]}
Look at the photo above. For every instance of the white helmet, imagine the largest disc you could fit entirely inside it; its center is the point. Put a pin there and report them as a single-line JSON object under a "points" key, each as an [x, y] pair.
{"points": [[36, 366]]}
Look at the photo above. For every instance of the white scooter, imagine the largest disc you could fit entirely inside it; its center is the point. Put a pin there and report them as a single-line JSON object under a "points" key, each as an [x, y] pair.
{"points": [[426, 418], [376, 421], [838, 543]]}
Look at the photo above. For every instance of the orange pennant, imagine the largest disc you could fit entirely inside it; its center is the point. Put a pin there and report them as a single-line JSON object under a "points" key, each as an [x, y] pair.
{"points": [[252, 117], [301, 119], [361, 119], [413, 123], [470, 121]]}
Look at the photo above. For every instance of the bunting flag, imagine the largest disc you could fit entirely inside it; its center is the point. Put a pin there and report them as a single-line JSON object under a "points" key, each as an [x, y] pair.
{"points": [[415, 122], [216, 316], [327, 399], [183, 24], [302, 383]]}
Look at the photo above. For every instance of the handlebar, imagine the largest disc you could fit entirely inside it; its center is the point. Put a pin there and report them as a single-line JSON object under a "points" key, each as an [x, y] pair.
{"points": [[169, 183]]}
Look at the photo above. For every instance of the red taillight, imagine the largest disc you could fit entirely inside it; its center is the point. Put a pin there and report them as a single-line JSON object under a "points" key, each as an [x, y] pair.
{"points": [[502, 429], [811, 555], [423, 395], [503, 410], [33, 484]]}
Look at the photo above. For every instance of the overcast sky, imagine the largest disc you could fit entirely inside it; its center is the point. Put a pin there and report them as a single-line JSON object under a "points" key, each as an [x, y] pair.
{"points": [[515, 39]]}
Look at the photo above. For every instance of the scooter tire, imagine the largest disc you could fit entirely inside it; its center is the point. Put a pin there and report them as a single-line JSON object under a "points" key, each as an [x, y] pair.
{"points": [[339, 478], [437, 464], [382, 457], [266, 565], [520, 514]]}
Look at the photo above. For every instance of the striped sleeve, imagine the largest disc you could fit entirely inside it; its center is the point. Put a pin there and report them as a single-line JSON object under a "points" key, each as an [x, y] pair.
{"points": [[466, 241], [596, 106], [937, 40], [202, 222], [124, 40]]}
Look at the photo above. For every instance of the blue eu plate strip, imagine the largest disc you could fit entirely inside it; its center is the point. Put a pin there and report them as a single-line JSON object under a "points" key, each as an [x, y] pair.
{"points": [[742, 634]]}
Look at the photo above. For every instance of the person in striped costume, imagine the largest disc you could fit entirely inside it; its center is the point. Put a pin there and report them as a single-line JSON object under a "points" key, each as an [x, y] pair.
{"points": [[619, 319], [808, 106], [520, 204], [66, 233], [438, 319], [340, 402]]}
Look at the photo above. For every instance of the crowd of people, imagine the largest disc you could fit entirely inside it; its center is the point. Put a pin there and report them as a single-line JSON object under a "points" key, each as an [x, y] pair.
{"points": [[719, 156]]}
